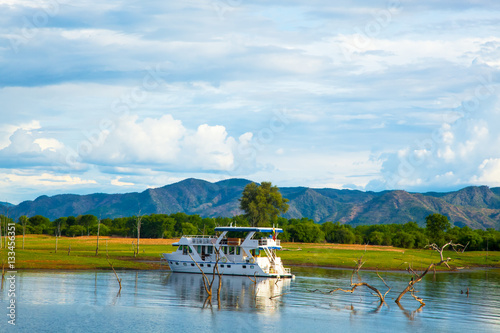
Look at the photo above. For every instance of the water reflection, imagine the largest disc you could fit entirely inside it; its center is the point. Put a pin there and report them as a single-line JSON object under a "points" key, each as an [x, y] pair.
{"points": [[162, 301], [237, 292]]}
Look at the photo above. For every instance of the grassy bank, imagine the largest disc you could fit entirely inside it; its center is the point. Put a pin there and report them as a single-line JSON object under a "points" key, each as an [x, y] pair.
{"points": [[39, 253], [381, 257], [80, 253]]}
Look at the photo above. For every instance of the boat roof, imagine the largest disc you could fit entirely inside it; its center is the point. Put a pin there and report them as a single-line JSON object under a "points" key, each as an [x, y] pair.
{"points": [[249, 229]]}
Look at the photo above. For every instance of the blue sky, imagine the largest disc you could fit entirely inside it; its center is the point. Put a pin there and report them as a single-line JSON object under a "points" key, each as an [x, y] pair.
{"points": [[125, 95]]}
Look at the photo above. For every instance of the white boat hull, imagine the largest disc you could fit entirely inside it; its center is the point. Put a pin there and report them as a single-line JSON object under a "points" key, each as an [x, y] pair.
{"points": [[225, 268]]}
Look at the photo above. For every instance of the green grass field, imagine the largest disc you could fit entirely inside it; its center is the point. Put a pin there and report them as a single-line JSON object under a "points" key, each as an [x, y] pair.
{"points": [[39, 253], [380, 257]]}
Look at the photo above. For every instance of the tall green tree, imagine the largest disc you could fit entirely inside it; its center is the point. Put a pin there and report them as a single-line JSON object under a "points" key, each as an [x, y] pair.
{"points": [[436, 225], [262, 204]]}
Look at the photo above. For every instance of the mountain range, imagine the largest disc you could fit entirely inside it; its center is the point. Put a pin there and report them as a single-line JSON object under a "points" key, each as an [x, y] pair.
{"points": [[476, 207]]}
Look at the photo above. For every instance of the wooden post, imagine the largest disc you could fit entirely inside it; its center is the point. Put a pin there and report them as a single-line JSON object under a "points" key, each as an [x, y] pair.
{"points": [[98, 229]]}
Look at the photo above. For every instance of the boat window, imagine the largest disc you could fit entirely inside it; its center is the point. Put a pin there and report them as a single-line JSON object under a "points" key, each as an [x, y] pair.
{"points": [[185, 264], [177, 263], [251, 267], [244, 266], [228, 266], [192, 264], [222, 266], [199, 248], [210, 249], [238, 250], [208, 265], [184, 249], [201, 265], [224, 249], [231, 250]]}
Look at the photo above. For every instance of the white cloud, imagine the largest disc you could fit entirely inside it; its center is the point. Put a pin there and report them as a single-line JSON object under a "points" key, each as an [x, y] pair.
{"points": [[210, 148], [44, 179], [6, 131], [27, 149], [131, 141], [118, 182], [164, 143], [466, 152], [49, 143]]}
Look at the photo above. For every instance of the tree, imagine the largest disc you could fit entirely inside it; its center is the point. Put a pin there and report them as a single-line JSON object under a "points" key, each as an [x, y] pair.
{"points": [[262, 204], [58, 223], [338, 233], [40, 224], [75, 230], [436, 225], [86, 221], [306, 231]]}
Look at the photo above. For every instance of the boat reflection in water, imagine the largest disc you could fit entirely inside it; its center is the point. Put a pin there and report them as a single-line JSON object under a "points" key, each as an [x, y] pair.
{"points": [[237, 292]]}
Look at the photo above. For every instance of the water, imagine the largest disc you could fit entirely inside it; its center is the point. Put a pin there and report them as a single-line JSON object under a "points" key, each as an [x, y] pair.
{"points": [[159, 301]]}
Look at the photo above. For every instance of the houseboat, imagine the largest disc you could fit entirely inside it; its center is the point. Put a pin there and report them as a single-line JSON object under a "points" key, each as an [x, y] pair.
{"points": [[239, 254]]}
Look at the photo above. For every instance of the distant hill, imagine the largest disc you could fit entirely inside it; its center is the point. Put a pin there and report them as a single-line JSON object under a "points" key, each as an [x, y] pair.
{"points": [[476, 207], [5, 204]]}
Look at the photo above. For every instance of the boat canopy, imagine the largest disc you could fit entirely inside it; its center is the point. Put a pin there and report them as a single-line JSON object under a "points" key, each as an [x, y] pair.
{"points": [[249, 229]]}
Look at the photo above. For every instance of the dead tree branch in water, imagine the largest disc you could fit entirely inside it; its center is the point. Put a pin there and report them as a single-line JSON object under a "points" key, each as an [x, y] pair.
{"points": [[355, 285], [206, 281], [3, 274], [417, 278], [118, 279]]}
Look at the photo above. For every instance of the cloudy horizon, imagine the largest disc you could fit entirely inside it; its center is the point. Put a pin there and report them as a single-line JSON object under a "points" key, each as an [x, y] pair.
{"points": [[123, 96]]}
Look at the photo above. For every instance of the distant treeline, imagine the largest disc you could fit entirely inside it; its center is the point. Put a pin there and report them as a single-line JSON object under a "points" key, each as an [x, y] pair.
{"points": [[408, 235]]}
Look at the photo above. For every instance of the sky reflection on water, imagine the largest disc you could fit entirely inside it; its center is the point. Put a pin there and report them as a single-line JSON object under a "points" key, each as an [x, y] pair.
{"points": [[154, 301]]}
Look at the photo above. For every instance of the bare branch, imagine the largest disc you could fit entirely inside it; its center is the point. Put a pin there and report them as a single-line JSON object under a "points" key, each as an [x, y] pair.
{"points": [[116, 275], [354, 285], [417, 278]]}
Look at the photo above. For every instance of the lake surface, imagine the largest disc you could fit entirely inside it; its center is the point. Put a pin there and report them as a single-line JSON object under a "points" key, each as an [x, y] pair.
{"points": [[160, 301]]}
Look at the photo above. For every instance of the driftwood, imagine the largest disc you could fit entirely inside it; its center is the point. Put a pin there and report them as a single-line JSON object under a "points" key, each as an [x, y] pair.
{"points": [[417, 278]]}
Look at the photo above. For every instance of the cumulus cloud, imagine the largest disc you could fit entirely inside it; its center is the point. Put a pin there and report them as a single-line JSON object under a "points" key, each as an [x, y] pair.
{"points": [[26, 150], [460, 153], [163, 144], [132, 141]]}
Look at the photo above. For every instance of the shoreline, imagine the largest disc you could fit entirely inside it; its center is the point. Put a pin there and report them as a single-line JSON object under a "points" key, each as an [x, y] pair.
{"points": [[79, 253]]}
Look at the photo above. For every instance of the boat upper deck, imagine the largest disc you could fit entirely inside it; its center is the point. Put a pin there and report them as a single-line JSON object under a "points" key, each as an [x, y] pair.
{"points": [[222, 240], [250, 229]]}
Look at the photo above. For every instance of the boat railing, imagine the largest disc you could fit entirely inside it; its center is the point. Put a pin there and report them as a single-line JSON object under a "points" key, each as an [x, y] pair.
{"points": [[202, 239], [269, 242]]}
